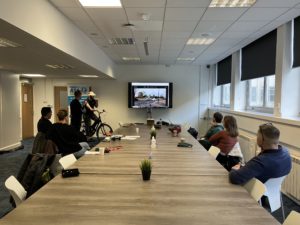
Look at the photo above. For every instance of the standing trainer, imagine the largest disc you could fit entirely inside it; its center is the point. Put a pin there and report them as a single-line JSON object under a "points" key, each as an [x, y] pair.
{"points": [[76, 111]]}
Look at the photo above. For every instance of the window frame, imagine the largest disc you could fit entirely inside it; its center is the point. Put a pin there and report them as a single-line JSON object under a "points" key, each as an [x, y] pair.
{"points": [[222, 105], [262, 109]]}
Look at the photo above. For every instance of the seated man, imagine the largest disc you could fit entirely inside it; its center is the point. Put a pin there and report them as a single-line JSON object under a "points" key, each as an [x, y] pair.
{"points": [[44, 123], [273, 161], [43, 126], [66, 137], [216, 127]]}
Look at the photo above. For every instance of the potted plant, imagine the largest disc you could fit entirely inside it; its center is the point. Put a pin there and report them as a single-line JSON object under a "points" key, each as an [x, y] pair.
{"points": [[146, 167]]}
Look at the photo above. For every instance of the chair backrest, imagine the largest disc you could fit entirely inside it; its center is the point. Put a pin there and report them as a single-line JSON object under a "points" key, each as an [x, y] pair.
{"points": [[273, 192], [214, 151], [292, 219], [16, 190], [67, 161], [255, 188]]}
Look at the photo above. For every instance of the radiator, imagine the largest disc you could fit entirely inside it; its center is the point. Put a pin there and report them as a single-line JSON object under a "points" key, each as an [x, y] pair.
{"points": [[248, 145], [291, 184]]}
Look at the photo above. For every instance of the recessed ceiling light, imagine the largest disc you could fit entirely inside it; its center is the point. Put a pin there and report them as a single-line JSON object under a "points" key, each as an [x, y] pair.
{"points": [[88, 76], [131, 58], [231, 3], [7, 43], [101, 3], [200, 41], [32, 75], [59, 66], [186, 59]]}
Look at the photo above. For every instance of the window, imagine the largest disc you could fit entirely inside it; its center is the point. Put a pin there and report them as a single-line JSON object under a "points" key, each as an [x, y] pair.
{"points": [[222, 96], [261, 93]]}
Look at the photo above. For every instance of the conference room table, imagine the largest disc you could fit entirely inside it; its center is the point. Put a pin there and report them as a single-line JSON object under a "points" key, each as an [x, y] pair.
{"points": [[187, 186]]}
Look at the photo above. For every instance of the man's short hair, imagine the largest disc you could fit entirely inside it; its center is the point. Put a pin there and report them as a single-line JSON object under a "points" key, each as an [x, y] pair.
{"points": [[45, 111], [77, 93], [270, 133], [218, 117], [62, 114]]}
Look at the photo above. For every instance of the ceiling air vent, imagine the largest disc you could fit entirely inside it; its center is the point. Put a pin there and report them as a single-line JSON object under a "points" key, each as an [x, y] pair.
{"points": [[121, 41], [59, 66]]}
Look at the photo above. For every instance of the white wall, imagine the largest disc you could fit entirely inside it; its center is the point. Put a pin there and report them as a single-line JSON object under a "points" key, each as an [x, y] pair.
{"points": [[10, 120], [58, 32], [113, 94]]}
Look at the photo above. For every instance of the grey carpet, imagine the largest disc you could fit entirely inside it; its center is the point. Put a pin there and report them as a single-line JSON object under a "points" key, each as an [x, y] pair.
{"points": [[12, 161]]}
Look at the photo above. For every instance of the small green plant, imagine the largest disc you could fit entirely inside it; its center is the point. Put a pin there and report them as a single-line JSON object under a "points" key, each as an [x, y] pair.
{"points": [[146, 168]]}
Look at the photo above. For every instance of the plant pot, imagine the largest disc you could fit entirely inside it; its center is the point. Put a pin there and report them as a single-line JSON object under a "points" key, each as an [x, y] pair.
{"points": [[146, 175]]}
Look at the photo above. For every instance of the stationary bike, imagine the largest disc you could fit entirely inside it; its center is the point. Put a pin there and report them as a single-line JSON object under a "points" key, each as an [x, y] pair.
{"points": [[101, 129]]}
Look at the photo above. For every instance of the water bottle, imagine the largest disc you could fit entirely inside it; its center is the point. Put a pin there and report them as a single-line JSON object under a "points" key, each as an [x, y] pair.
{"points": [[153, 142]]}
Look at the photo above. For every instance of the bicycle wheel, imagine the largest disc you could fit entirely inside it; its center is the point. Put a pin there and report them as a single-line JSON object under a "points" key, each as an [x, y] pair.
{"points": [[104, 130]]}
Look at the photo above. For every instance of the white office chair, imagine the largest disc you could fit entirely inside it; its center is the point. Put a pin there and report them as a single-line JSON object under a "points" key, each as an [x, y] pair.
{"points": [[292, 219], [273, 193], [256, 189], [67, 161], [16, 190], [214, 151]]}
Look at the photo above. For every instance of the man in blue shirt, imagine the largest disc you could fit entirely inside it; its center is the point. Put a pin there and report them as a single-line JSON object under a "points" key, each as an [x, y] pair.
{"points": [[272, 162]]}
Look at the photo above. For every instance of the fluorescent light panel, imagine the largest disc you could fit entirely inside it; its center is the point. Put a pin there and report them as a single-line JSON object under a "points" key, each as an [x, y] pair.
{"points": [[101, 3], [185, 59], [7, 43], [131, 58], [231, 3], [33, 75], [88, 76], [200, 41]]}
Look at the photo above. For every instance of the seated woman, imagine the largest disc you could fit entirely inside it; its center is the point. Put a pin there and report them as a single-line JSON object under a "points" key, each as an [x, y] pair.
{"points": [[226, 141]]}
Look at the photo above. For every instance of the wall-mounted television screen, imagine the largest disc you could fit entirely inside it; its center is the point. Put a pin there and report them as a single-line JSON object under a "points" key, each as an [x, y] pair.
{"points": [[150, 95]]}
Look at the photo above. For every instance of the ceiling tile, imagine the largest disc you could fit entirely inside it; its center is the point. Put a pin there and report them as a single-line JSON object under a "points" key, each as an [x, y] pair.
{"points": [[179, 26], [276, 3], [184, 13], [235, 34], [144, 3], [197, 49], [169, 53], [211, 34], [263, 14], [89, 28], [152, 35], [289, 15], [113, 29], [136, 13], [247, 25], [213, 26], [176, 34], [147, 25], [188, 3], [66, 3], [75, 13], [105, 14], [223, 14]]}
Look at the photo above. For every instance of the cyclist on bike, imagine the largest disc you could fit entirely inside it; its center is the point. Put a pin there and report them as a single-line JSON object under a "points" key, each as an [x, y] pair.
{"points": [[89, 107]]}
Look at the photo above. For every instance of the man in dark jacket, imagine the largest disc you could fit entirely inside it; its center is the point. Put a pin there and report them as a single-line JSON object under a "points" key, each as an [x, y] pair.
{"points": [[76, 111], [274, 160], [44, 123], [216, 127], [67, 139]]}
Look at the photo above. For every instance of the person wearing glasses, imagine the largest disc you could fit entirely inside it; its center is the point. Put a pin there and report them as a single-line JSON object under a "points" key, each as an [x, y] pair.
{"points": [[273, 161]]}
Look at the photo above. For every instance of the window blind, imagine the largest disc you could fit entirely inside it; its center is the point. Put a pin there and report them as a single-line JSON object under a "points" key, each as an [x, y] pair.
{"points": [[224, 71], [296, 62], [259, 57]]}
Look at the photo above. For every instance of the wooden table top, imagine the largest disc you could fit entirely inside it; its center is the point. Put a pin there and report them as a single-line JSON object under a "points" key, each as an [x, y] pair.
{"points": [[187, 187]]}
